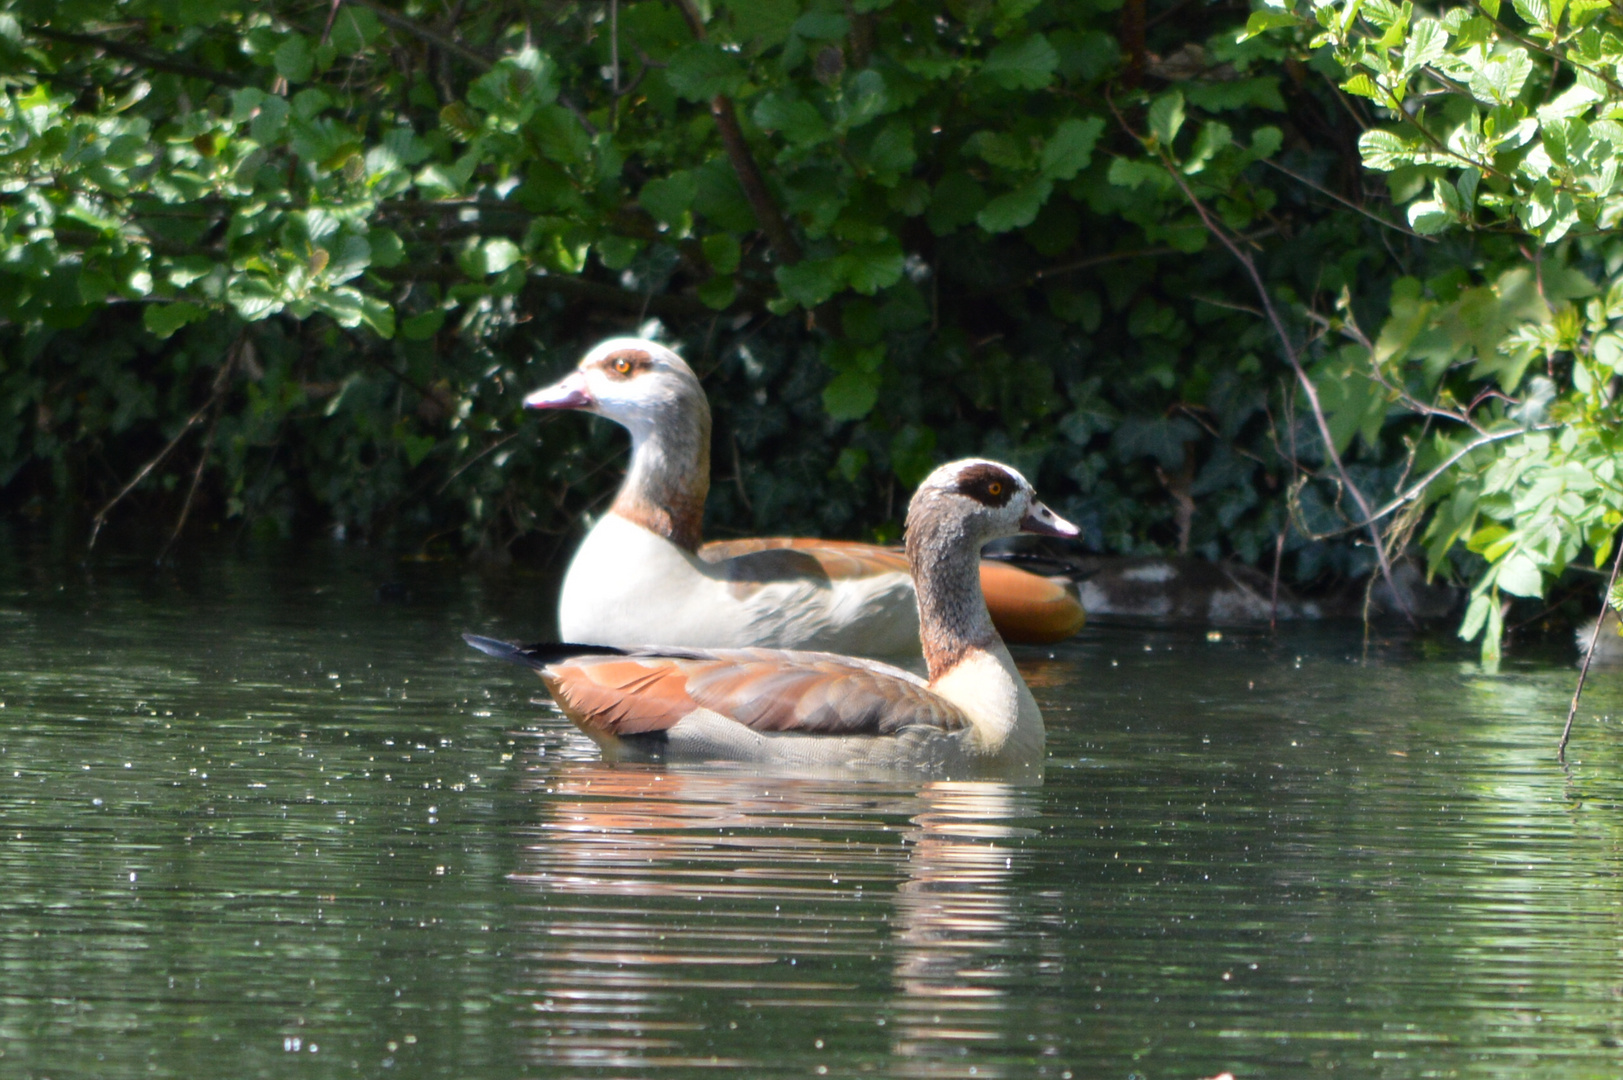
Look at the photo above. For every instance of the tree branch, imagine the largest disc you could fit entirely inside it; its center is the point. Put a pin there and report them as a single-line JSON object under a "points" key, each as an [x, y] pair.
{"points": [[767, 215]]}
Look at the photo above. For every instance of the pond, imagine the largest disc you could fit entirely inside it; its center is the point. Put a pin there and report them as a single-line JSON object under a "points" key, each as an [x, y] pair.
{"points": [[268, 816]]}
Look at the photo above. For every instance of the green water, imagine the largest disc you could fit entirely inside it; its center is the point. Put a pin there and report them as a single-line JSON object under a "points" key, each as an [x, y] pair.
{"points": [[258, 819]]}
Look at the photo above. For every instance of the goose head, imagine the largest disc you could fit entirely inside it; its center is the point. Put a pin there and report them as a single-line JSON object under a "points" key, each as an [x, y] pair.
{"points": [[648, 390], [639, 384], [956, 511], [972, 502]]}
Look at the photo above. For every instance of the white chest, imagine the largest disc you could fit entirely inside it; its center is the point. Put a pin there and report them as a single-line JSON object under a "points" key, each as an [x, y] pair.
{"points": [[988, 687]]}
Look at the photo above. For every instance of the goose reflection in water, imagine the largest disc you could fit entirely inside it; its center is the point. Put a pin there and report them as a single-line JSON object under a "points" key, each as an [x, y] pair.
{"points": [[711, 918]]}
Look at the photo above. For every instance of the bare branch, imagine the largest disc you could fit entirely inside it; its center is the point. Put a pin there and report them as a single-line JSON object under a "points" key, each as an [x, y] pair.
{"points": [[1589, 654]]}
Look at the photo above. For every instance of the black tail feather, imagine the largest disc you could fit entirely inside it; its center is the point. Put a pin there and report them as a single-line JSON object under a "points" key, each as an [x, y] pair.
{"points": [[538, 655]]}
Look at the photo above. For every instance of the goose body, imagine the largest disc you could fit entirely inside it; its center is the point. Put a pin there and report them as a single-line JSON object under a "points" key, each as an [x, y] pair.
{"points": [[801, 709], [641, 573]]}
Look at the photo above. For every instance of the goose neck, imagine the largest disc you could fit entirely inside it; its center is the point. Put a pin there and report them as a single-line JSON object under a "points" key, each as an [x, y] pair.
{"points": [[669, 477], [953, 620]]}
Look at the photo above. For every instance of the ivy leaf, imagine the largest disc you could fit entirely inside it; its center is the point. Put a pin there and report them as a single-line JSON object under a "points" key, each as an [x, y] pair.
{"points": [[1026, 64], [1015, 209], [1070, 149]]}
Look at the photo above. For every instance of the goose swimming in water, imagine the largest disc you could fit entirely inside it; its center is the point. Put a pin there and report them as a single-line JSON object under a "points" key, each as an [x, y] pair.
{"points": [[972, 715], [642, 575]]}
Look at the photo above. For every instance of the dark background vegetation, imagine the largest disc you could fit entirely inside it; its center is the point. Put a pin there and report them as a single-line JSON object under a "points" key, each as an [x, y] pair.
{"points": [[291, 267]]}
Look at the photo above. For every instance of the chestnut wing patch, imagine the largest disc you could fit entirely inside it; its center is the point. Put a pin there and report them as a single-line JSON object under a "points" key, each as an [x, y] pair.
{"points": [[763, 689], [838, 560]]}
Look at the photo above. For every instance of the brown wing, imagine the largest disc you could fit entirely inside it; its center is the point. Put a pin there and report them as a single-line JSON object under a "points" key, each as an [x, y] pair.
{"points": [[764, 689], [839, 559], [1027, 608]]}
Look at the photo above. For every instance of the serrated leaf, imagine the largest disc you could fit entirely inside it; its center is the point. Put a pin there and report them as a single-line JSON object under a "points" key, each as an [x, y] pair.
{"points": [[1015, 209], [1427, 41], [1519, 576], [809, 282], [700, 71], [1070, 149], [1025, 64], [867, 268], [1166, 117]]}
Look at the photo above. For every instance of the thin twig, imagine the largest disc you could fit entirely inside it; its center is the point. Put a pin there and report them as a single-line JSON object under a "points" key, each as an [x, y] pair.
{"points": [[197, 481], [1589, 654], [432, 37], [220, 382], [1344, 201]]}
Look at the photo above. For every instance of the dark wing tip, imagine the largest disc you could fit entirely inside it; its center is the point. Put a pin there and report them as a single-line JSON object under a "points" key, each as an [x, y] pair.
{"points": [[538, 655]]}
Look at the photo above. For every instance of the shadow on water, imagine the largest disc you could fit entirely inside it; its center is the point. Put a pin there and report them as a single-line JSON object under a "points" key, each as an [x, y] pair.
{"points": [[259, 816]]}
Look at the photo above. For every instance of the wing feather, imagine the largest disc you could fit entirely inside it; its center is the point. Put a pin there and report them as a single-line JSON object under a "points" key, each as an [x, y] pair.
{"points": [[763, 689], [1026, 607]]}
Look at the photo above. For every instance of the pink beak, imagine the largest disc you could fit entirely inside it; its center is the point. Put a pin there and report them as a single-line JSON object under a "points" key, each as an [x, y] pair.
{"points": [[570, 393], [1044, 522]]}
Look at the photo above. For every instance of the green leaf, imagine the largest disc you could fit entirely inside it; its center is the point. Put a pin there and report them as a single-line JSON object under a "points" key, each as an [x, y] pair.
{"points": [[1426, 43], [423, 326], [867, 268], [668, 197], [1070, 149], [1015, 209], [912, 454], [794, 116], [1384, 150], [1025, 64], [851, 395], [700, 71], [164, 319], [1266, 19], [822, 25], [954, 202], [891, 152], [719, 292], [1519, 576], [722, 251], [294, 61], [1166, 117], [809, 282]]}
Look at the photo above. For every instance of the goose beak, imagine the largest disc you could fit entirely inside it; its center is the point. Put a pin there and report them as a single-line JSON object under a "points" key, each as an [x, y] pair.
{"points": [[1044, 522], [571, 393]]}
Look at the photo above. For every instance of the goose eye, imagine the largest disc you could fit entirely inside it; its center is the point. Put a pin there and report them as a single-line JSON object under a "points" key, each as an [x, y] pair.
{"points": [[622, 365], [994, 488]]}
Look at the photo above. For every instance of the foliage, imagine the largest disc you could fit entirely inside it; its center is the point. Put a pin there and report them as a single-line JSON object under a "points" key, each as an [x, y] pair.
{"points": [[1504, 124], [307, 260]]}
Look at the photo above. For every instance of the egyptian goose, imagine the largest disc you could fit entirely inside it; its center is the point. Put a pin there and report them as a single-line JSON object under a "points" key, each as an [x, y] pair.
{"points": [[641, 575], [973, 715]]}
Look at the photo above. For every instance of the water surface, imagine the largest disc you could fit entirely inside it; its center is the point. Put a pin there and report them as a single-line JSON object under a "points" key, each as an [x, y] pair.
{"points": [[262, 818]]}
